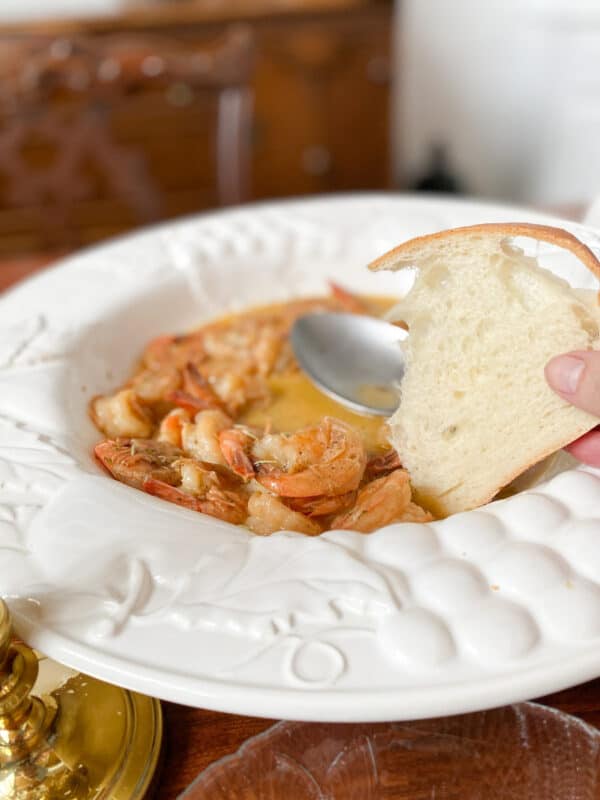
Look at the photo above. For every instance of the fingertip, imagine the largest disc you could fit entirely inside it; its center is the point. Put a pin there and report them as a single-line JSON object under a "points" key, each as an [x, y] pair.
{"points": [[564, 373], [587, 448]]}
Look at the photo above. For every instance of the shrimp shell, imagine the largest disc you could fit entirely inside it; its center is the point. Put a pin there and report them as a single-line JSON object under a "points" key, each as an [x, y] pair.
{"points": [[327, 459], [121, 415], [385, 462], [132, 461], [321, 506], [197, 394], [379, 503], [235, 444], [220, 503]]}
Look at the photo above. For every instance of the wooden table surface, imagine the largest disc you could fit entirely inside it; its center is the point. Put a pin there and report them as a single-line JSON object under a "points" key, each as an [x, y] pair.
{"points": [[195, 738]]}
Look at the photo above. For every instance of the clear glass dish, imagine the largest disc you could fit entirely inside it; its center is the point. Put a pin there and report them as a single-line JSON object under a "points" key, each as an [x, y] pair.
{"points": [[519, 752]]}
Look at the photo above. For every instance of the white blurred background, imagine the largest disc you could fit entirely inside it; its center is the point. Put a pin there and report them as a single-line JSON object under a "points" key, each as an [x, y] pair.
{"points": [[22, 10], [511, 87]]}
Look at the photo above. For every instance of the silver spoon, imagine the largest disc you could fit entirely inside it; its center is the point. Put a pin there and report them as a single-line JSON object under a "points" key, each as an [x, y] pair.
{"points": [[356, 360]]}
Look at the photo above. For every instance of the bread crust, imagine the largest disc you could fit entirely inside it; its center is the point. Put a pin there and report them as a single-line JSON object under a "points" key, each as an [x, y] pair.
{"points": [[398, 257], [508, 479]]}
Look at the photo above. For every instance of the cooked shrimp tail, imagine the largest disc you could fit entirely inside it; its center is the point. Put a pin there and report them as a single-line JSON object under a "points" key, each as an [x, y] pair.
{"points": [[235, 444], [348, 300], [171, 426], [197, 394]]}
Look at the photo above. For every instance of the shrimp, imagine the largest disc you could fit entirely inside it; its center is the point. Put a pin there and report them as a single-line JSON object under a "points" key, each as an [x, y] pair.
{"points": [[162, 470], [268, 514], [171, 427], [256, 344], [200, 438], [171, 431], [251, 340], [239, 386], [154, 386], [379, 503], [321, 506], [414, 513], [267, 349], [210, 497], [158, 352], [174, 351], [235, 444], [121, 414], [327, 459], [386, 462], [349, 301], [226, 364], [133, 461], [197, 393]]}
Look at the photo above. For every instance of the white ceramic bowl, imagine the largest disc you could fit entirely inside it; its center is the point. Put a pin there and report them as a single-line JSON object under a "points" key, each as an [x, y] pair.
{"points": [[496, 605]]}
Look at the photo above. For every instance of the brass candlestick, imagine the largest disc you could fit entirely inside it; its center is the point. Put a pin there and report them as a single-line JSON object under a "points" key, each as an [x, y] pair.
{"points": [[86, 740]]}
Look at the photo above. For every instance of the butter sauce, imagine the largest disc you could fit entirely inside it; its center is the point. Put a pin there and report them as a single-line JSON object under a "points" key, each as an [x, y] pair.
{"points": [[296, 402]]}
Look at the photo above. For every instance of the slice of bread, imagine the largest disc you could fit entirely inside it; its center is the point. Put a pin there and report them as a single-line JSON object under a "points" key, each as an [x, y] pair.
{"points": [[484, 319]]}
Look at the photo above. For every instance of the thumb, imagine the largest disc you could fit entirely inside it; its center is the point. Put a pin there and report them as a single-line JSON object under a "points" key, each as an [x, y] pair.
{"points": [[576, 378]]}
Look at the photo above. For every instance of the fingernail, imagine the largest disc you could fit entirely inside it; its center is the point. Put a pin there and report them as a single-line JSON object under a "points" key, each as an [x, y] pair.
{"points": [[564, 373]]}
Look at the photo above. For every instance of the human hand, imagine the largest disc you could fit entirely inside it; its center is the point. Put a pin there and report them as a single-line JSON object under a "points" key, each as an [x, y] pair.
{"points": [[576, 378]]}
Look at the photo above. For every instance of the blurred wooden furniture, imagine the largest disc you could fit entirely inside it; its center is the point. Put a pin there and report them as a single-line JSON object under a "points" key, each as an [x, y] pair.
{"points": [[88, 125], [141, 142], [322, 96], [15, 269]]}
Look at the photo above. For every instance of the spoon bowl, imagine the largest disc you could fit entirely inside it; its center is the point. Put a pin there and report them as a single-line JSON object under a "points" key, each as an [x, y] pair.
{"points": [[355, 359]]}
